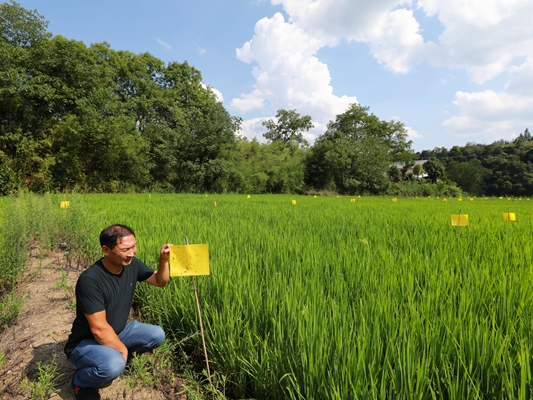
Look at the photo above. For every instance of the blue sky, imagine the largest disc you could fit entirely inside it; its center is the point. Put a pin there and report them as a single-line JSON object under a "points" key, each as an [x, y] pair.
{"points": [[453, 71]]}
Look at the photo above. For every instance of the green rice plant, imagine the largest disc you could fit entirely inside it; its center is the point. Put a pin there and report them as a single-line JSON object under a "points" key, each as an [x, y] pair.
{"points": [[333, 299]]}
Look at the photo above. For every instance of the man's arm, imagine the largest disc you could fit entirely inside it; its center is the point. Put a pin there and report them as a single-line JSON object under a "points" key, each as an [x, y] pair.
{"points": [[104, 333], [160, 277]]}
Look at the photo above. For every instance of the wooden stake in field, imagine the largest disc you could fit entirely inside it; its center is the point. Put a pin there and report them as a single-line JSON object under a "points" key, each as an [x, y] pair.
{"points": [[191, 260]]}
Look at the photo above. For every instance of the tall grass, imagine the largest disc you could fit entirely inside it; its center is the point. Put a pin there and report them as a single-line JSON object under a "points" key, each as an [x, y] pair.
{"points": [[32, 220], [329, 299]]}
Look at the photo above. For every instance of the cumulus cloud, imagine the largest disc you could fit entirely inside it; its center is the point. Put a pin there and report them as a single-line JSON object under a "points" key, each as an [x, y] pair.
{"points": [[490, 115], [480, 36], [253, 129], [485, 38], [217, 93], [412, 134], [288, 74]]}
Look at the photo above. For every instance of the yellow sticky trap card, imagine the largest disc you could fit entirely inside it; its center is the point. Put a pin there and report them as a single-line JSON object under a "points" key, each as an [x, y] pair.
{"points": [[509, 216], [189, 260], [459, 220], [65, 204]]}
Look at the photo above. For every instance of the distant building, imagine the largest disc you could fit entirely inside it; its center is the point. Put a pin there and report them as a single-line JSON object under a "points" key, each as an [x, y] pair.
{"points": [[401, 164]]}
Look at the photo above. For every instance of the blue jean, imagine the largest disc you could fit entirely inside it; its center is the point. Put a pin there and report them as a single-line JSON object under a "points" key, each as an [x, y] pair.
{"points": [[98, 364]]}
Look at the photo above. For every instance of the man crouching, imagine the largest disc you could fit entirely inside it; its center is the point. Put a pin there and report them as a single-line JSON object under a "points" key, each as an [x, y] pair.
{"points": [[101, 341]]}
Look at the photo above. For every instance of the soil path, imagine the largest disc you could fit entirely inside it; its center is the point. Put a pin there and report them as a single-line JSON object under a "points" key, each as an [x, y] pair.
{"points": [[42, 328]]}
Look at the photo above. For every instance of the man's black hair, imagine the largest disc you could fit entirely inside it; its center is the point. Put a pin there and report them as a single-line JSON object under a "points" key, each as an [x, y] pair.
{"points": [[111, 235]]}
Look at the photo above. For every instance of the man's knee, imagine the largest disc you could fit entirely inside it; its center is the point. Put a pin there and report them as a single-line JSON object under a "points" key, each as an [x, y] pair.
{"points": [[111, 368], [158, 336]]}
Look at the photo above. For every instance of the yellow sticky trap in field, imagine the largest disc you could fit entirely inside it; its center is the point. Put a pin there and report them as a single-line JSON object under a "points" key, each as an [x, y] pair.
{"points": [[248, 196], [215, 203], [293, 202], [189, 260], [459, 220], [394, 200], [65, 204], [509, 216], [352, 200], [445, 199]]}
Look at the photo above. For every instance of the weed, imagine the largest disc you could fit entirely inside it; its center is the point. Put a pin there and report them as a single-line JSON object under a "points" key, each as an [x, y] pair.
{"points": [[10, 306], [71, 305], [152, 370], [3, 359], [45, 385], [63, 284]]}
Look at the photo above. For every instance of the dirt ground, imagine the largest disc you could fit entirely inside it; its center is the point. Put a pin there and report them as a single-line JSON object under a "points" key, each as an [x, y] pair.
{"points": [[41, 331]]}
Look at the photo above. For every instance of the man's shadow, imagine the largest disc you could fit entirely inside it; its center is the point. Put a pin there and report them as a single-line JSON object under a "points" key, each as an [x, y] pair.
{"points": [[49, 362]]}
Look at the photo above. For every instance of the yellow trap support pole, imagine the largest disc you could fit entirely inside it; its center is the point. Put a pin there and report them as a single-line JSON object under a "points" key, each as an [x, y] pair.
{"points": [[201, 324]]}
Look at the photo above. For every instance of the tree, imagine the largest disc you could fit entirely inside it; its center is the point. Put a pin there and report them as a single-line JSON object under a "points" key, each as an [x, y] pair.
{"points": [[268, 168], [356, 151], [434, 169], [418, 170], [205, 130], [20, 27], [394, 173], [289, 127], [405, 170], [469, 175]]}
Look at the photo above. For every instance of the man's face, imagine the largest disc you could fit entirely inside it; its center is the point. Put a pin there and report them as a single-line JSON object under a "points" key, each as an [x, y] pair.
{"points": [[123, 252]]}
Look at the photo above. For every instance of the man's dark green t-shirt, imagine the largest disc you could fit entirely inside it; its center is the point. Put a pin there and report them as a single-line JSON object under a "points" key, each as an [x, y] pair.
{"points": [[97, 290]]}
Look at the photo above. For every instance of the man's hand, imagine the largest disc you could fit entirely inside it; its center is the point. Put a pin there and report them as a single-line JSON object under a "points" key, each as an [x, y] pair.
{"points": [[164, 254], [161, 276]]}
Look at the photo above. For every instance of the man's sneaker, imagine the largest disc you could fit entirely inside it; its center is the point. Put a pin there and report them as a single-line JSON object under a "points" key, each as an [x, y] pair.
{"points": [[104, 385], [88, 393]]}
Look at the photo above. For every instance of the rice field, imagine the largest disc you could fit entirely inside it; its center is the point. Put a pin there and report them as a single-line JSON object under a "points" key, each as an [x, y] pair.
{"points": [[345, 298]]}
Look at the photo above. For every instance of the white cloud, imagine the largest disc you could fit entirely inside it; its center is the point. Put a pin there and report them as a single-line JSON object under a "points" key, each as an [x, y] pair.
{"points": [[485, 38], [288, 74], [398, 42], [216, 92], [166, 46], [481, 36], [253, 128], [412, 134], [490, 115]]}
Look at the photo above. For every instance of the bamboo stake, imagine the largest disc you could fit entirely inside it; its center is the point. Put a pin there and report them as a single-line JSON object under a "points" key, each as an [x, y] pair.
{"points": [[201, 324]]}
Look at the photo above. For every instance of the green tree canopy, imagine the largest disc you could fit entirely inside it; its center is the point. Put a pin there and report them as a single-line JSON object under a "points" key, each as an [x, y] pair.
{"points": [[356, 151], [434, 169], [290, 127]]}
